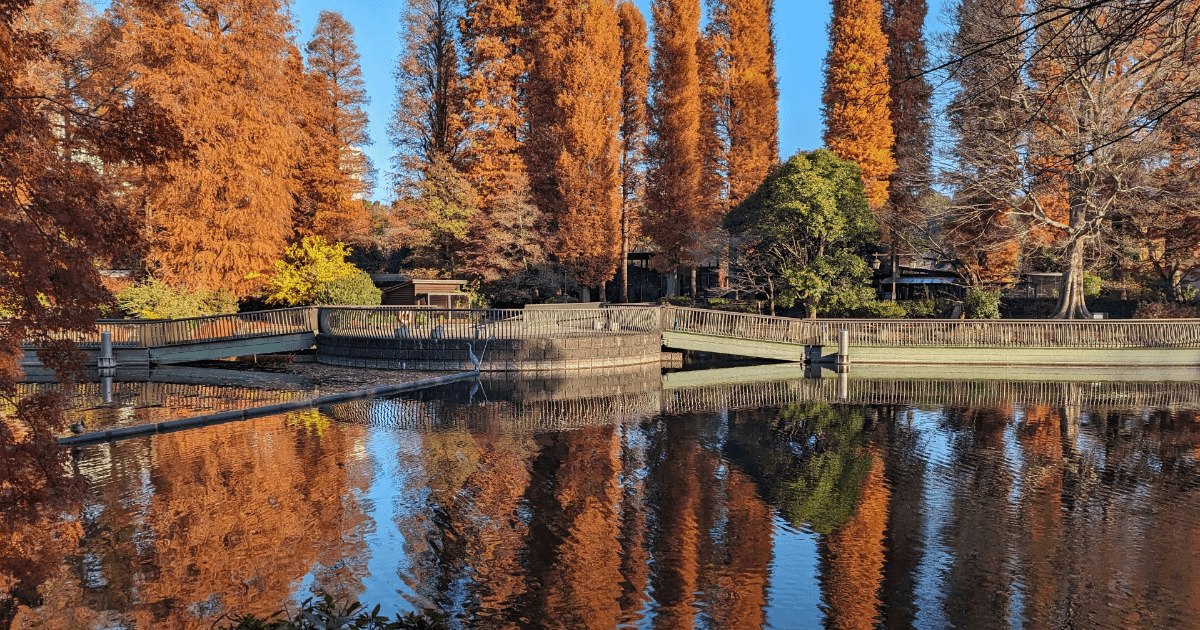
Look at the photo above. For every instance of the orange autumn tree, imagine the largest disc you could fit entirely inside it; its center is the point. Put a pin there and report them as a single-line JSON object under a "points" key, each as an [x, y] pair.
{"points": [[673, 178], [505, 236], [494, 33], [223, 215], [582, 59], [635, 88], [753, 94], [338, 171], [858, 125]]}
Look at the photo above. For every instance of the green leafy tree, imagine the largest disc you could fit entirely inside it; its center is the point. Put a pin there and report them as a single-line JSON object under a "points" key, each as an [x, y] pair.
{"points": [[800, 236], [154, 299], [310, 265], [438, 218], [980, 304]]}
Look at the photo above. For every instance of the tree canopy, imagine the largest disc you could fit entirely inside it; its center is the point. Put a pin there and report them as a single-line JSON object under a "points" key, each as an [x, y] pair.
{"points": [[796, 232]]}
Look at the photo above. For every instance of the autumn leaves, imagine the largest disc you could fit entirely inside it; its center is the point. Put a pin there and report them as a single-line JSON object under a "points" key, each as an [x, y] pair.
{"points": [[557, 106]]}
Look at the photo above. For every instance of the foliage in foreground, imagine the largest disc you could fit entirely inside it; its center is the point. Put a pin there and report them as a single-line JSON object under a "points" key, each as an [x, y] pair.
{"points": [[324, 614]]}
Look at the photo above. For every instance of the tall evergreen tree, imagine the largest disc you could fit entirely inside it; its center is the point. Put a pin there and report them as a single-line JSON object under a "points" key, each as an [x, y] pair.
{"points": [[224, 214], [580, 48], [753, 95], [426, 124], [338, 172], [673, 179], [635, 85], [904, 24], [858, 124]]}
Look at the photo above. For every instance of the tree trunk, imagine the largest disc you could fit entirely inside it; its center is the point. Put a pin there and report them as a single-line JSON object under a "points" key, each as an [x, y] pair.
{"points": [[693, 271], [771, 295], [624, 270], [1071, 302], [603, 292]]}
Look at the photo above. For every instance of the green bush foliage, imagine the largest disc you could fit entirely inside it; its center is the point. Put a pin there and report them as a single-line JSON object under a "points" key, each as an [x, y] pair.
{"points": [[356, 290], [1092, 284], [154, 299], [324, 614], [980, 304], [678, 300]]}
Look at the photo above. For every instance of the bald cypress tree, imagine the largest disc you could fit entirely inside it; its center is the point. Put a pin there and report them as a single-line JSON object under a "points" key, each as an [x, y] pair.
{"points": [[858, 125], [753, 95], [335, 172], [904, 23], [225, 214], [673, 179], [579, 68], [635, 85]]}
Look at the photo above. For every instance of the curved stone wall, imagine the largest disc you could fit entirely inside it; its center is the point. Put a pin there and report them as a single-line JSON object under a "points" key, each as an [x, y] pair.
{"points": [[503, 355]]}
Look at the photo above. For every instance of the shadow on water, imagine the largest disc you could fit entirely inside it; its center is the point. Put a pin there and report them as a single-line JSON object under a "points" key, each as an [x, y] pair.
{"points": [[627, 498]]}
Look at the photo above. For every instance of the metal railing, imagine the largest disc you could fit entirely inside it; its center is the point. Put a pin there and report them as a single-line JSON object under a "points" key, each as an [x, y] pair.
{"points": [[384, 321], [170, 332], [940, 333], [425, 323], [740, 325]]}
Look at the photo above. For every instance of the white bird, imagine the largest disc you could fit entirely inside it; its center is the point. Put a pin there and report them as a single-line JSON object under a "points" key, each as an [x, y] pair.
{"points": [[471, 352], [471, 355]]}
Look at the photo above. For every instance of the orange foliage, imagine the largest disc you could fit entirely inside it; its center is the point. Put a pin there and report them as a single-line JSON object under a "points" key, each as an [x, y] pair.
{"points": [[858, 124], [673, 181], [494, 32], [225, 213], [754, 96], [581, 57], [635, 94], [856, 556], [333, 170]]}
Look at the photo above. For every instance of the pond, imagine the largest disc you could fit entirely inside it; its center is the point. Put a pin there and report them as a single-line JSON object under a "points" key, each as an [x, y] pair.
{"points": [[603, 502]]}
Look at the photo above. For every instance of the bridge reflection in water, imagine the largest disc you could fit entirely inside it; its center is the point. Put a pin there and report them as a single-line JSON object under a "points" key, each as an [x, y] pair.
{"points": [[624, 499]]}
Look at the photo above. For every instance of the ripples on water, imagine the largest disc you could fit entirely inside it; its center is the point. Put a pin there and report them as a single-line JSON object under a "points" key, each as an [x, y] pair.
{"points": [[512, 509]]}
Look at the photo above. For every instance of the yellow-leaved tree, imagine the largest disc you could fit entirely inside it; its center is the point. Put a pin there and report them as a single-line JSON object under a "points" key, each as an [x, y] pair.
{"points": [[316, 272]]}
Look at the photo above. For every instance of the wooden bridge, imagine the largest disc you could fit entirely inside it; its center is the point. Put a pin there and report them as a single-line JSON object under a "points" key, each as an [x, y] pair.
{"points": [[872, 341]]}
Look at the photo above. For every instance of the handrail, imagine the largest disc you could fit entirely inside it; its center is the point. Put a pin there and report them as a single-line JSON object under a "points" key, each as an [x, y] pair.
{"points": [[393, 321], [944, 333], [381, 322]]}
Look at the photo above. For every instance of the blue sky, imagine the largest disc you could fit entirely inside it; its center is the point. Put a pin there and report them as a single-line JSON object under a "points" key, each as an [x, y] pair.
{"points": [[800, 31]]}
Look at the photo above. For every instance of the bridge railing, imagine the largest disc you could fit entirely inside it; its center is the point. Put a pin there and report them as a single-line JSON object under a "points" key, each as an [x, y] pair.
{"points": [[379, 322], [935, 333], [170, 332], [1000, 333], [740, 325]]}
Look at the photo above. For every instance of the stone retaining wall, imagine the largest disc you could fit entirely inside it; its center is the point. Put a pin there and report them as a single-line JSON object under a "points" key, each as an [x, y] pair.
{"points": [[503, 355]]}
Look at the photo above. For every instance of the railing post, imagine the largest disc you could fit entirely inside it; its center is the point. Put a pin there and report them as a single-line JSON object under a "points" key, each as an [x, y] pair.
{"points": [[843, 353], [106, 360]]}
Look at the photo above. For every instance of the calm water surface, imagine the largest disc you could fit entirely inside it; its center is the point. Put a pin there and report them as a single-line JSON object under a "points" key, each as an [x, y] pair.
{"points": [[515, 508]]}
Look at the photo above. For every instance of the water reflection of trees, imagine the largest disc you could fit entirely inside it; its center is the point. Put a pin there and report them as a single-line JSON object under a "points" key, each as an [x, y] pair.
{"points": [[187, 526]]}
